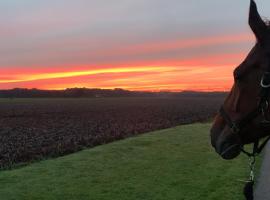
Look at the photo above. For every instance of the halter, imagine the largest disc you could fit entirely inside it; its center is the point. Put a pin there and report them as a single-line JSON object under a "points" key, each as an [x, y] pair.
{"points": [[237, 126], [262, 108]]}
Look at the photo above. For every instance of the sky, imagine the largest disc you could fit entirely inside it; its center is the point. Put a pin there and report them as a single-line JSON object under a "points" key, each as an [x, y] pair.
{"points": [[152, 45]]}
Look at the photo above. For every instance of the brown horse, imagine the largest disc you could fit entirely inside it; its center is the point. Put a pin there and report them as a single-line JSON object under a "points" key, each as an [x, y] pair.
{"points": [[243, 116]]}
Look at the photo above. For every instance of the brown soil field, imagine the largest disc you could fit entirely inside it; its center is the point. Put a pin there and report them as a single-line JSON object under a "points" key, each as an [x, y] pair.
{"points": [[34, 129]]}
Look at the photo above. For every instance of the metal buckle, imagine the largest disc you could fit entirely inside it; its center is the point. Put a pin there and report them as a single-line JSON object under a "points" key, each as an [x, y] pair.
{"points": [[264, 107], [235, 129], [265, 122]]}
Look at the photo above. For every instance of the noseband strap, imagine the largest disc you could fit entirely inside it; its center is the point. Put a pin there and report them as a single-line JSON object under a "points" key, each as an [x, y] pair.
{"points": [[237, 126]]}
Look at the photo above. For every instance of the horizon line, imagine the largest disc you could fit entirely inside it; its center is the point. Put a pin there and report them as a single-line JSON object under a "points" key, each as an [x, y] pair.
{"points": [[87, 88]]}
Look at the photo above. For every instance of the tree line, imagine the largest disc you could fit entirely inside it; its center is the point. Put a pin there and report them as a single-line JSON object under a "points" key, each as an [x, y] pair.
{"points": [[97, 93]]}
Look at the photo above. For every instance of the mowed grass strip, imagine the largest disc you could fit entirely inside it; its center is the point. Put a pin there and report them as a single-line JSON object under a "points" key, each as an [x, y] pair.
{"points": [[171, 164]]}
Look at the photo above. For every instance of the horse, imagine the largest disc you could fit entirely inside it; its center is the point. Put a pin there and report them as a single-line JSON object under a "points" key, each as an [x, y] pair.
{"points": [[243, 117]]}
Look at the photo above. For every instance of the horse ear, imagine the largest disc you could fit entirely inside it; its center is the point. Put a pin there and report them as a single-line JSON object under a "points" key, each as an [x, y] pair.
{"points": [[256, 23]]}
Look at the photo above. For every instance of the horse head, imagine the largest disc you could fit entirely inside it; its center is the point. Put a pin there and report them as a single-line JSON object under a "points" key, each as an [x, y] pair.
{"points": [[243, 116]]}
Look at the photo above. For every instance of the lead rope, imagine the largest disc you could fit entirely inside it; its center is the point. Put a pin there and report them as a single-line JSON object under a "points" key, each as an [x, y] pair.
{"points": [[257, 149], [248, 189]]}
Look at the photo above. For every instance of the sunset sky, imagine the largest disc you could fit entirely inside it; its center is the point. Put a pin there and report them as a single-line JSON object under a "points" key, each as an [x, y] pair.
{"points": [[131, 44]]}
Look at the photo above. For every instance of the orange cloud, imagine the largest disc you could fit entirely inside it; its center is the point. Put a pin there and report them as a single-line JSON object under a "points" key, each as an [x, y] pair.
{"points": [[41, 76], [175, 78], [203, 72]]}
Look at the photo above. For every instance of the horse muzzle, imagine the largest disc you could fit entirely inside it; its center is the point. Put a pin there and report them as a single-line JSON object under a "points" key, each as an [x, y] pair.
{"points": [[226, 144]]}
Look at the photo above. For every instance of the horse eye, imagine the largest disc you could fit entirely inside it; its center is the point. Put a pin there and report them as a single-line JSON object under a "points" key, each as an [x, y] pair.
{"points": [[237, 77]]}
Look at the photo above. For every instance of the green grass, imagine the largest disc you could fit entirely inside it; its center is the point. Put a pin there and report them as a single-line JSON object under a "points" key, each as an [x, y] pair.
{"points": [[171, 164]]}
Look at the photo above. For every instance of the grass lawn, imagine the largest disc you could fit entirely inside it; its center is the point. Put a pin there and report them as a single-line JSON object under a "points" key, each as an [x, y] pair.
{"points": [[171, 164]]}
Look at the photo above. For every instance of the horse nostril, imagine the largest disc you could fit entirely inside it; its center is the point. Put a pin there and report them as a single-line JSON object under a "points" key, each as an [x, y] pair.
{"points": [[230, 151], [227, 144]]}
